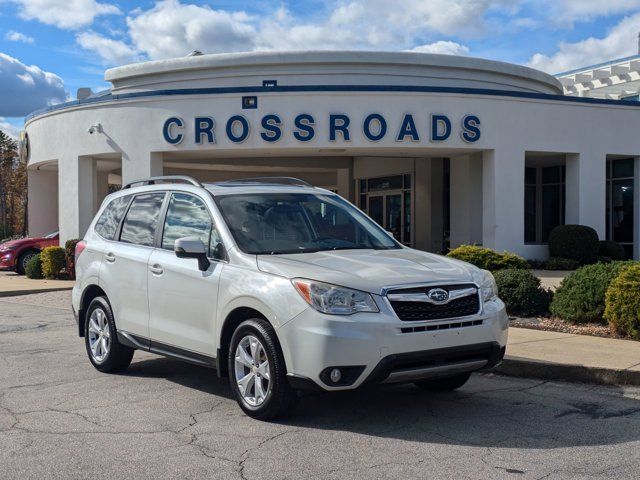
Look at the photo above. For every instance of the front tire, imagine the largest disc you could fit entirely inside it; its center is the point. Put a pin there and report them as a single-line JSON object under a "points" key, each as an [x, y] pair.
{"points": [[23, 259], [444, 384], [105, 352], [257, 371]]}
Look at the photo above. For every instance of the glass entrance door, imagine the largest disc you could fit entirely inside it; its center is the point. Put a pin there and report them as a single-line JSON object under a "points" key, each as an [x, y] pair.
{"points": [[386, 210]]}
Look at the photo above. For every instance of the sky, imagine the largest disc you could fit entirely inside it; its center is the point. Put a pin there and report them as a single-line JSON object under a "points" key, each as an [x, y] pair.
{"points": [[50, 48]]}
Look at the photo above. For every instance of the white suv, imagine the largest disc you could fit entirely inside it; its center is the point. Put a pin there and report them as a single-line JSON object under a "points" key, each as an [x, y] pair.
{"points": [[282, 287]]}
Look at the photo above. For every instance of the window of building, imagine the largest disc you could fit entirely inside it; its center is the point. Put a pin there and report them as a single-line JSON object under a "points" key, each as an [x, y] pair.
{"points": [[107, 224], [139, 225], [544, 202], [619, 211], [387, 200]]}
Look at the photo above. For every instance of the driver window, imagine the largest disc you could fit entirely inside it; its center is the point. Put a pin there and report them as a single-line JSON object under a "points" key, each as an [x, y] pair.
{"points": [[188, 216]]}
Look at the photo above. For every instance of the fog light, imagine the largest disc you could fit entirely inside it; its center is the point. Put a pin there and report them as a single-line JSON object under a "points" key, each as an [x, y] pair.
{"points": [[335, 375]]}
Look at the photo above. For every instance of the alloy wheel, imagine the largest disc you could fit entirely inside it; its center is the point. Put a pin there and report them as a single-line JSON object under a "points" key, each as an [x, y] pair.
{"points": [[252, 371], [99, 335]]}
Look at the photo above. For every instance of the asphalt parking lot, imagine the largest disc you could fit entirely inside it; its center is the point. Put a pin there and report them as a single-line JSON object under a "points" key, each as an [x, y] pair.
{"points": [[60, 418]]}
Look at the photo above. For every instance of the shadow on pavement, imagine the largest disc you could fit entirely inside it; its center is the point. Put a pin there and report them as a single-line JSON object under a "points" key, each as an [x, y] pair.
{"points": [[489, 411]]}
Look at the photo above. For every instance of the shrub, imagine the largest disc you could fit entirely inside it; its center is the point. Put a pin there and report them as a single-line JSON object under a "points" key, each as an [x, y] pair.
{"points": [[487, 258], [559, 263], [623, 302], [580, 297], [611, 249], [576, 242], [522, 293], [603, 259], [33, 269], [52, 261], [69, 255]]}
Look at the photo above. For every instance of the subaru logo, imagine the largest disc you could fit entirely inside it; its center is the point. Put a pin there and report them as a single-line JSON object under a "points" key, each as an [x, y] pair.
{"points": [[438, 295]]}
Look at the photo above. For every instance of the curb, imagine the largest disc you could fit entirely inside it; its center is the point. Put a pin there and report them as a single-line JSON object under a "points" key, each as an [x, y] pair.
{"points": [[522, 367], [16, 293]]}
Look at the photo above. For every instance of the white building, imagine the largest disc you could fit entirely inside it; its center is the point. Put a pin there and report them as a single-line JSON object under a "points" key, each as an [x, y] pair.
{"points": [[441, 150]]}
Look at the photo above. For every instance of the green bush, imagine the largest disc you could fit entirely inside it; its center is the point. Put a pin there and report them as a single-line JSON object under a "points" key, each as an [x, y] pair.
{"points": [[487, 258], [52, 261], [611, 249], [559, 263], [580, 297], [603, 259], [522, 293], [70, 258], [577, 242], [33, 269], [623, 302]]}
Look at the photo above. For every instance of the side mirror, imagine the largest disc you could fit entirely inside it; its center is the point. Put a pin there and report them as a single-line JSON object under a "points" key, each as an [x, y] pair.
{"points": [[219, 252], [192, 247]]}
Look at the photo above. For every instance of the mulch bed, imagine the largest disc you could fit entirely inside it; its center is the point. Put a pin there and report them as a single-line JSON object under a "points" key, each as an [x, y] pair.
{"points": [[557, 325]]}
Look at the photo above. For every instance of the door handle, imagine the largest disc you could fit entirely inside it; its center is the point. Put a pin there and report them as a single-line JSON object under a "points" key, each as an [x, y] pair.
{"points": [[110, 257], [156, 269]]}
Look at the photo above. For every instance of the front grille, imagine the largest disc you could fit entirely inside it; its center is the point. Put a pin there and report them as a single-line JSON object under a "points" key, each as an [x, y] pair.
{"points": [[455, 308], [441, 326]]}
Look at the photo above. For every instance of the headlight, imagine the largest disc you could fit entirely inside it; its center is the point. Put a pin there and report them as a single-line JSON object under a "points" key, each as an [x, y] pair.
{"points": [[488, 287], [334, 300]]}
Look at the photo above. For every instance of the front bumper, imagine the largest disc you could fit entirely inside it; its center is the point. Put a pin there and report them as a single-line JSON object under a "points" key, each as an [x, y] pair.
{"points": [[7, 261], [377, 348]]}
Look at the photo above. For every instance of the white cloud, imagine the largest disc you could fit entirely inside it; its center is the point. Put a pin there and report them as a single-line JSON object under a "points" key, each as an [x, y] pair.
{"points": [[443, 47], [10, 129], [620, 41], [172, 29], [68, 14], [570, 11], [25, 88], [14, 36], [112, 52]]}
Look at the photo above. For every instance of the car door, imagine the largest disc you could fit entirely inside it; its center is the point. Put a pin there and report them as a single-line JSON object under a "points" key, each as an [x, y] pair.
{"points": [[124, 267], [182, 298]]}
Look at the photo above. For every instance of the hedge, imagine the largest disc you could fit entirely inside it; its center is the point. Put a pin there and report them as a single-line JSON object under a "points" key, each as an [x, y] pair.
{"points": [[70, 257], [623, 302], [581, 295], [522, 293], [53, 261], [488, 259], [559, 263], [577, 242], [611, 249], [33, 269]]}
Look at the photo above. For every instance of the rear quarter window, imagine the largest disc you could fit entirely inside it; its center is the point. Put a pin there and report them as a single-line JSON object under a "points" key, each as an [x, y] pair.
{"points": [[107, 224]]}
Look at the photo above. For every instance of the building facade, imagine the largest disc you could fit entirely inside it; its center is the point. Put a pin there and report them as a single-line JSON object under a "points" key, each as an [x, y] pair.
{"points": [[439, 150]]}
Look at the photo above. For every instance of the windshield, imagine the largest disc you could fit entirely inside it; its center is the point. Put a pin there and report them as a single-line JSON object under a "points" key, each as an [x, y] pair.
{"points": [[277, 223]]}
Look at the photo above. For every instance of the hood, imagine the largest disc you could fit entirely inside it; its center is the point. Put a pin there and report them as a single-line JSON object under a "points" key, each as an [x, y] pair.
{"points": [[368, 270], [14, 243]]}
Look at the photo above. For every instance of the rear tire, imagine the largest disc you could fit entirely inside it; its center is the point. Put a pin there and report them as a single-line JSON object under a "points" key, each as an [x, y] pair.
{"points": [[444, 384], [23, 259], [105, 352], [257, 372]]}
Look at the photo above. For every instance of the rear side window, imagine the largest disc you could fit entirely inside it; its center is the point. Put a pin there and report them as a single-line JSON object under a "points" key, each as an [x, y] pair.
{"points": [[107, 224], [139, 225]]}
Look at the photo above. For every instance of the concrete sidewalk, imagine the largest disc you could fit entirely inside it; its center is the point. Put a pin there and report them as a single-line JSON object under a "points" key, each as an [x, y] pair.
{"points": [[570, 357], [12, 284]]}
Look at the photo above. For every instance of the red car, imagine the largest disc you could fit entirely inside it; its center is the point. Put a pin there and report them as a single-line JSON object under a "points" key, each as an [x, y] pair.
{"points": [[15, 254]]}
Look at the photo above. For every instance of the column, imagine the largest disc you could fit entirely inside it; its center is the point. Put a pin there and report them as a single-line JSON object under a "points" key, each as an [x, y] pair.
{"points": [[503, 199], [437, 193], [344, 182], [43, 201], [76, 193], [466, 200], [141, 166], [421, 217], [586, 190], [636, 209], [102, 189]]}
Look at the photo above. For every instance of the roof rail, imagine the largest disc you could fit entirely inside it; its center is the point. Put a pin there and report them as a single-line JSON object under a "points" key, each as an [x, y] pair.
{"points": [[266, 181], [165, 179]]}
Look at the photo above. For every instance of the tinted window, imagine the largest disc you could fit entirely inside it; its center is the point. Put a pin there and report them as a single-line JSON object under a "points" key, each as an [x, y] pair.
{"points": [[187, 216], [108, 222], [140, 223]]}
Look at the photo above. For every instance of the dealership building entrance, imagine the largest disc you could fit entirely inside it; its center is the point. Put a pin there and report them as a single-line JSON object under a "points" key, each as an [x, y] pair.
{"points": [[439, 150]]}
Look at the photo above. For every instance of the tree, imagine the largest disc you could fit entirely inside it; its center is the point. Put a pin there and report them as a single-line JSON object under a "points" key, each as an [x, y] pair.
{"points": [[13, 189]]}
